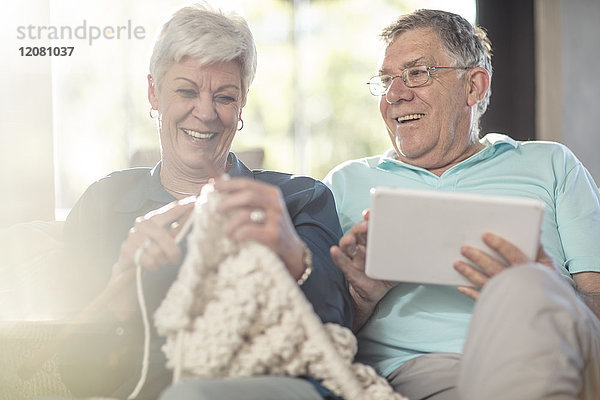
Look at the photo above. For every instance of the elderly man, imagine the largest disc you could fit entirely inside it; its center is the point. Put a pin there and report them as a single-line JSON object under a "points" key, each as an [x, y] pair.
{"points": [[525, 332]]}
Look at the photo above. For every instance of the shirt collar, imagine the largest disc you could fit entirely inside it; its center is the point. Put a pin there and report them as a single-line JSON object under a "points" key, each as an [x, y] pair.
{"points": [[498, 139], [147, 188], [150, 189], [237, 167], [493, 143], [155, 189]]}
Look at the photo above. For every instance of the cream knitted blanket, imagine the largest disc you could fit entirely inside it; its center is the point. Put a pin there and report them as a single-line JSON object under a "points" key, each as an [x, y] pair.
{"points": [[234, 310]]}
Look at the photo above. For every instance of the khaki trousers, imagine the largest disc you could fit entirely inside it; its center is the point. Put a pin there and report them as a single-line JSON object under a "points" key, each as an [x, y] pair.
{"points": [[531, 337], [254, 388]]}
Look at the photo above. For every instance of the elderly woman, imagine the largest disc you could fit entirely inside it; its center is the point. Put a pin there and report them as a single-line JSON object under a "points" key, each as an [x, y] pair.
{"points": [[201, 68]]}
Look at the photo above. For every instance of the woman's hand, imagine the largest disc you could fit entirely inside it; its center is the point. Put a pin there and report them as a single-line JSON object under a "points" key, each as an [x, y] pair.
{"points": [[152, 242], [256, 211], [490, 266], [152, 238], [350, 257]]}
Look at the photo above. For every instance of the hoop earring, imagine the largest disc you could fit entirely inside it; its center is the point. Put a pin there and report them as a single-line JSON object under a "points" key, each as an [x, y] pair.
{"points": [[241, 127], [153, 113]]}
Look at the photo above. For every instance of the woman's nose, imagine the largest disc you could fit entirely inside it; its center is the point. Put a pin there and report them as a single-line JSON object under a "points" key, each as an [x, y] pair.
{"points": [[398, 91], [204, 108]]}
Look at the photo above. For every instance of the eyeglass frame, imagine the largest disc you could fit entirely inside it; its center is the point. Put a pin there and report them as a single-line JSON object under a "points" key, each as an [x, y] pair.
{"points": [[404, 79]]}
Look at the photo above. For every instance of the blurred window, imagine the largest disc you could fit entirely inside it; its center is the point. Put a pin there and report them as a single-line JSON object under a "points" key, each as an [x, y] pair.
{"points": [[308, 108]]}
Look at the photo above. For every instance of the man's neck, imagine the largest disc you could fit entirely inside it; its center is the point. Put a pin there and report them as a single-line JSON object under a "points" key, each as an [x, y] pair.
{"points": [[439, 168]]}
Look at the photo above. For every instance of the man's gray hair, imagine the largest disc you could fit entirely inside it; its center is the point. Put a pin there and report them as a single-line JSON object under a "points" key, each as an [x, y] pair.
{"points": [[207, 35], [468, 45]]}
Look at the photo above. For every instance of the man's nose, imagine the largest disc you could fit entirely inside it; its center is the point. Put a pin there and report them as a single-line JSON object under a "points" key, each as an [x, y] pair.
{"points": [[398, 91]]}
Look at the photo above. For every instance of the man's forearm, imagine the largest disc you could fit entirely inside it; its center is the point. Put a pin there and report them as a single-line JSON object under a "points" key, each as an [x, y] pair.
{"points": [[592, 300], [362, 312], [588, 288], [360, 318]]}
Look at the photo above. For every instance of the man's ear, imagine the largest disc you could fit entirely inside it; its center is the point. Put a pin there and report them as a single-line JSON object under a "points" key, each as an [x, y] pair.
{"points": [[152, 95], [478, 83]]}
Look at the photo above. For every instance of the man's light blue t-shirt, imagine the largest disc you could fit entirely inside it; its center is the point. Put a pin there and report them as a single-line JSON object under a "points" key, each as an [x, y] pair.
{"points": [[417, 319]]}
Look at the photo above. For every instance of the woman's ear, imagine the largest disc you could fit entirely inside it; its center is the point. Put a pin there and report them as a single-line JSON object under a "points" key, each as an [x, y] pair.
{"points": [[152, 95], [244, 99], [478, 83]]}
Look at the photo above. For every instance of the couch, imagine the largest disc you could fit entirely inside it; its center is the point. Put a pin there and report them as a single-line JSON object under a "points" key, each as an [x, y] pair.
{"points": [[35, 300]]}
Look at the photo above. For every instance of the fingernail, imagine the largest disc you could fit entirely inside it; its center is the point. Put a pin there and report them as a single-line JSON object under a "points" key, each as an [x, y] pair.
{"points": [[462, 289], [488, 238], [352, 250]]}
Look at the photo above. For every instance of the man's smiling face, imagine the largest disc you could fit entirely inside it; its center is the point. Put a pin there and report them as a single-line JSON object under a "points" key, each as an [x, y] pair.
{"points": [[429, 125]]}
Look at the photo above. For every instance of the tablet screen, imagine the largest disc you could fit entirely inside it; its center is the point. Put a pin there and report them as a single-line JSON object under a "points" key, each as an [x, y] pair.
{"points": [[416, 235]]}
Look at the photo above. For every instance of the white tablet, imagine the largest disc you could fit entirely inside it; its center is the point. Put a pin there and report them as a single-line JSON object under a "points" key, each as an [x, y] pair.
{"points": [[416, 235]]}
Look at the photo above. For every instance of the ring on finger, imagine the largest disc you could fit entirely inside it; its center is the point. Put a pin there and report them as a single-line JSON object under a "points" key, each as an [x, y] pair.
{"points": [[257, 216]]}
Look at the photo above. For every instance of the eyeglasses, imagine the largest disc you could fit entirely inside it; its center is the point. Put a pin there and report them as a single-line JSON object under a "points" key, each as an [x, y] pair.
{"points": [[412, 77]]}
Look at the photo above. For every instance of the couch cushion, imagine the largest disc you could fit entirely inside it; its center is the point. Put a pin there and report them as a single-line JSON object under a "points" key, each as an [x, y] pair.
{"points": [[35, 276]]}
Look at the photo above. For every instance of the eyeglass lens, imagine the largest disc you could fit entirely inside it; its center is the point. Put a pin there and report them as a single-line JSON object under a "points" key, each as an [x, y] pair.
{"points": [[412, 77]]}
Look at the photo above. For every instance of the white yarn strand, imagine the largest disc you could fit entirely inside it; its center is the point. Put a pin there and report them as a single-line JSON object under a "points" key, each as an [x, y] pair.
{"points": [[340, 370], [143, 311], [179, 355]]}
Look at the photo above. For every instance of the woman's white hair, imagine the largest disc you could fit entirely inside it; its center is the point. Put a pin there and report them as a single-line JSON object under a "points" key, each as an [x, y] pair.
{"points": [[207, 35]]}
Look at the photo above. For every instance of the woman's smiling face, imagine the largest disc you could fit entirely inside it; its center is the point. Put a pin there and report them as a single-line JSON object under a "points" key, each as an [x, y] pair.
{"points": [[198, 112]]}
